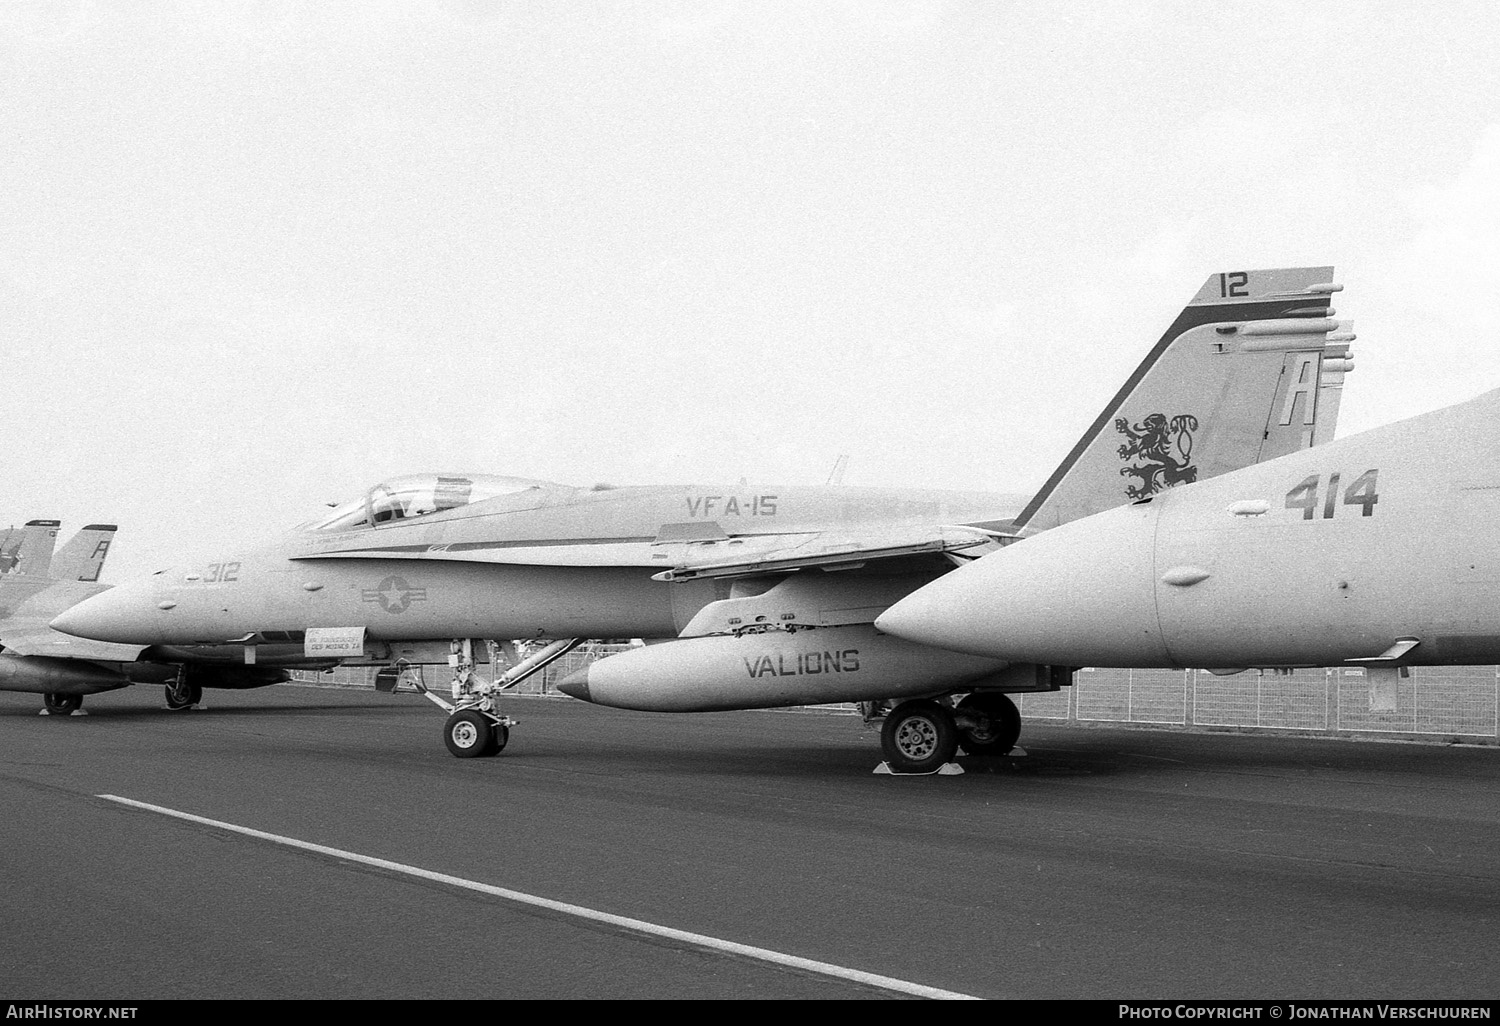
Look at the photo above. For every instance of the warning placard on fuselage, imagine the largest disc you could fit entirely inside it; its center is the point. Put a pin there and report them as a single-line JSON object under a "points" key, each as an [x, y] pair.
{"points": [[334, 642]]}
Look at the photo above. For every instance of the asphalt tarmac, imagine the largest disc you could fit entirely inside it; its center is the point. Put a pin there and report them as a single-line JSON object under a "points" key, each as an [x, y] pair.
{"points": [[1107, 863]]}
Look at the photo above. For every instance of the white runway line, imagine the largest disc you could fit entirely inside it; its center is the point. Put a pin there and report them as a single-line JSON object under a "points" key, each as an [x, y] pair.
{"points": [[639, 925]]}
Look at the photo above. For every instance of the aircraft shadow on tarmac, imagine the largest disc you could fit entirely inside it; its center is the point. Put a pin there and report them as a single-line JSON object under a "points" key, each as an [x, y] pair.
{"points": [[137, 712], [1079, 752]]}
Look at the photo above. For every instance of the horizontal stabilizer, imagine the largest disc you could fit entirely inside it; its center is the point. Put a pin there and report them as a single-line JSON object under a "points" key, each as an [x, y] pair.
{"points": [[40, 640]]}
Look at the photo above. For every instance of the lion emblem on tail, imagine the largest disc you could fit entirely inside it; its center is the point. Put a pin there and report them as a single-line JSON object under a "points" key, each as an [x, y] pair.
{"points": [[1164, 449]]}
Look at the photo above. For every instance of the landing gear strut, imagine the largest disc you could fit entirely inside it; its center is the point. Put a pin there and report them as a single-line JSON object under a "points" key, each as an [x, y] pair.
{"points": [[475, 728]]}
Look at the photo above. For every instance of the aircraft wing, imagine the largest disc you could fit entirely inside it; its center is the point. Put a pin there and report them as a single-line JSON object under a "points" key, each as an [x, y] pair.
{"points": [[842, 551], [37, 639], [686, 551]]}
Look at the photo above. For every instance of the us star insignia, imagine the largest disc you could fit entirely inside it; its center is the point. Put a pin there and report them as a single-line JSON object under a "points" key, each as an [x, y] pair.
{"points": [[394, 595]]}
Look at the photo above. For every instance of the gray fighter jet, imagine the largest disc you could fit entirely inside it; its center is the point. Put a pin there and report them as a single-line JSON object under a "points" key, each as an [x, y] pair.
{"points": [[63, 668], [37, 659], [1378, 550], [764, 596]]}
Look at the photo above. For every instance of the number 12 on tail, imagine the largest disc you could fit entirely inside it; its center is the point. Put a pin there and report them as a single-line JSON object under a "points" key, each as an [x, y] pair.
{"points": [[1233, 286]]}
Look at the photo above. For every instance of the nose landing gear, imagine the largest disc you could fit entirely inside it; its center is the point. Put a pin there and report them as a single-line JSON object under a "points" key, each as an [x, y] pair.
{"points": [[181, 692], [475, 728], [57, 704]]}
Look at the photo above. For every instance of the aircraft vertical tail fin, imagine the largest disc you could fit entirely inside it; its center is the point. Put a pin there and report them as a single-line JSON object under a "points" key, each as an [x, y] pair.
{"points": [[27, 551], [82, 559], [1251, 369]]}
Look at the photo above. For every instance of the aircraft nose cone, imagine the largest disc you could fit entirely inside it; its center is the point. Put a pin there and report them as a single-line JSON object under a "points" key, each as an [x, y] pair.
{"points": [[1078, 595], [128, 614], [577, 686], [929, 615]]}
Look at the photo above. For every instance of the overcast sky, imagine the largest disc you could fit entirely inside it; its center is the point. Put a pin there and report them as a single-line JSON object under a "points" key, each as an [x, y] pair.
{"points": [[257, 256]]}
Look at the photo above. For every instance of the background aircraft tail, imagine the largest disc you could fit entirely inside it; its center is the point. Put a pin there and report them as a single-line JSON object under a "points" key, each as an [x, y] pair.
{"points": [[82, 558], [27, 551], [1251, 369]]}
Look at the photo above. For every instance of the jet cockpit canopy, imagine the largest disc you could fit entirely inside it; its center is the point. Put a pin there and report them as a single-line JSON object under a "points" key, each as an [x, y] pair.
{"points": [[417, 495]]}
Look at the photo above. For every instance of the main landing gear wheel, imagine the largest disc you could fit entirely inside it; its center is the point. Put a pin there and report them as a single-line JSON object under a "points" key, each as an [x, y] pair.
{"points": [[918, 737], [183, 695], [61, 705], [996, 724], [470, 734]]}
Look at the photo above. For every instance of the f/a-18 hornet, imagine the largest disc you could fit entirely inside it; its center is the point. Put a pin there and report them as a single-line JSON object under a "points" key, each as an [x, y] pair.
{"points": [[63, 669], [758, 597], [1378, 551]]}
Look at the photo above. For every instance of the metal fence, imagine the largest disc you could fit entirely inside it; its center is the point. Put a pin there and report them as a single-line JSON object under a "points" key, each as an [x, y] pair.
{"points": [[1460, 703], [1457, 702]]}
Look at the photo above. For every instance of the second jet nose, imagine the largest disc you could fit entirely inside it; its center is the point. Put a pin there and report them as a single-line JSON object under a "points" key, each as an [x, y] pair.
{"points": [[1078, 595], [130, 614]]}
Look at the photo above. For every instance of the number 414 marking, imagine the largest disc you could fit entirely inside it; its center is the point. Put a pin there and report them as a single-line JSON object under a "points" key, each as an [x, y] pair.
{"points": [[1361, 493]]}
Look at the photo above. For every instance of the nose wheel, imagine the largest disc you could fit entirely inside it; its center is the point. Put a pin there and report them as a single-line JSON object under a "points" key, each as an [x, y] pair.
{"points": [[61, 705], [470, 734], [182, 693]]}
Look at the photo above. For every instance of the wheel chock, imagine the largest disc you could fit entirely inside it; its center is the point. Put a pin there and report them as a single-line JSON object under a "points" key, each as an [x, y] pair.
{"points": [[947, 769]]}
